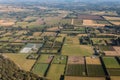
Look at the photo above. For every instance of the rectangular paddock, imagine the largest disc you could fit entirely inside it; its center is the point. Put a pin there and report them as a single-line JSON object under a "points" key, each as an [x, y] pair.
{"points": [[76, 60]]}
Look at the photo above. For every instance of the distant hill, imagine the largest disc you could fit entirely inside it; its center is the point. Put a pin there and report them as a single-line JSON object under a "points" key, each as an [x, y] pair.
{"points": [[10, 71]]}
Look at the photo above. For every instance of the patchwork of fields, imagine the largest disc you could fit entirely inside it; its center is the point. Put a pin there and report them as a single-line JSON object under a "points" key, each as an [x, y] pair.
{"points": [[79, 48]]}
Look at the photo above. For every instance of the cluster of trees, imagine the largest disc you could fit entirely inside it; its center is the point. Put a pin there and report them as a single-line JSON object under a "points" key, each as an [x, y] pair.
{"points": [[116, 42], [10, 71], [85, 40], [68, 26], [112, 29]]}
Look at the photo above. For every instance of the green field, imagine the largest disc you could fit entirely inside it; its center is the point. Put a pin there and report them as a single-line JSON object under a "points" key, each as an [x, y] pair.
{"points": [[60, 59], [55, 71], [72, 47], [40, 69], [111, 62], [44, 58], [95, 70], [81, 50], [20, 59], [75, 70]]}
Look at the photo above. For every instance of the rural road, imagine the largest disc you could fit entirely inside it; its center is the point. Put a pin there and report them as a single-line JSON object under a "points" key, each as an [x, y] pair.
{"points": [[72, 22]]}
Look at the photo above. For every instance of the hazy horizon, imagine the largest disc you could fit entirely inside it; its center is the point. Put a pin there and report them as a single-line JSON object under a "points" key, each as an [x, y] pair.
{"points": [[59, 0]]}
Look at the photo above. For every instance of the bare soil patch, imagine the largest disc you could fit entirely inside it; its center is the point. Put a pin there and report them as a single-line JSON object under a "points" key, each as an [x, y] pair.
{"points": [[111, 53], [6, 23], [117, 49], [93, 17], [75, 60], [91, 23]]}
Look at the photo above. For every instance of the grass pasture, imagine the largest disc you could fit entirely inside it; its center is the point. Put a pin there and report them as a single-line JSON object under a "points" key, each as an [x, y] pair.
{"points": [[75, 70], [44, 58], [77, 50], [55, 71], [72, 47], [40, 69], [111, 62], [20, 60]]}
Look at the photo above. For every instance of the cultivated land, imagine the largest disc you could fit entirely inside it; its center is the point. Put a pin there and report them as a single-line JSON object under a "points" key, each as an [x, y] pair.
{"points": [[113, 19], [90, 60], [79, 50], [45, 59], [58, 69], [111, 62], [78, 69], [73, 47], [20, 60], [75, 60], [114, 77], [77, 41], [92, 23], [40, 69], [83, 78]]}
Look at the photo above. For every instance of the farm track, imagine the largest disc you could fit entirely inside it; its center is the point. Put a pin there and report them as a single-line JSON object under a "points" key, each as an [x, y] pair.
{"points": [[72, 22]]}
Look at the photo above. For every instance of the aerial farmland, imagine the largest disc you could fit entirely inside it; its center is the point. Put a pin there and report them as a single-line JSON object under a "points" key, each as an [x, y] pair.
{"points": [[74, 42]]}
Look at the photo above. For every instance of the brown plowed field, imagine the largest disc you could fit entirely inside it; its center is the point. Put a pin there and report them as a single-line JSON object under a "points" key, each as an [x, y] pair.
{"points": [[92, 17], [75, 60]]}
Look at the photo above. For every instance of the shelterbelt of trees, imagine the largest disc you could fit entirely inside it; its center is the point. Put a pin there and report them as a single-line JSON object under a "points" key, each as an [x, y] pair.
{"points": [[10, 71]]}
